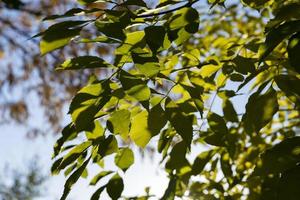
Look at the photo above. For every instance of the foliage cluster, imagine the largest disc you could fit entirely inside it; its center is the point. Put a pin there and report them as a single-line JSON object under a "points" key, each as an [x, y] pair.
{"points": [[172, 61]]}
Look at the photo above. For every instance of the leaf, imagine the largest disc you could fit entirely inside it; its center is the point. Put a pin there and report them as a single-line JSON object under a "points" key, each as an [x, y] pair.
{"points": [[74, 154], [260, 110], [140, 132], [235, 77], [84, 62], [155, 37], [182, 122], [124, 158], [226, 166], [294, 51], [201, 160], [280, 158], [134, 86], [289, 182], [219, 134], [59, 35], [243, 65], [276, 36], [146, 63], [96, 195], [119, 122], [255, 3], [115, 187], [133, 40], [184, 17], [289, 84], [135, 3], [157, 119], [217, 124], [171, 189], [113, 30], [96, 133], [68, 133], [73, 179], [229, 111], [87, 103], [165, 140], [107, 146], [115, 25], [70, 13], [99, 176], [177, 158]]}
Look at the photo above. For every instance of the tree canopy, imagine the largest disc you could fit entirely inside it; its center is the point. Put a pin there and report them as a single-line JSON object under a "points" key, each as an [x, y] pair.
{"points": [[175, 81]]}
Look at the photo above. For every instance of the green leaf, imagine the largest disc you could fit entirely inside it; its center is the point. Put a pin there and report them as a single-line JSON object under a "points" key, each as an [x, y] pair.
{"points": [[177, 158], [217, 124], [289, 84], [157, 119], [68, 133], [135, 87], [229, 111], [119, 122], [182, 122], [96, 133], [235, 77], [84, 62], [114, 27], [135, 3], [243, 65], [260, 110], [96, 195], [289, 182], [255, 3], [87, 103], [140, 132], [59, 35], [107, 146], [280, 158], [115, 187], [294, 51], [155, 37], [74, 154], [133, 40], [276, 36], [110, 29], [201, 160], [99, 176], [70, 13], [146, 63], [183, 17], [226, 166], [73, 179], [171, 189], [146, 125], [124, 158]]}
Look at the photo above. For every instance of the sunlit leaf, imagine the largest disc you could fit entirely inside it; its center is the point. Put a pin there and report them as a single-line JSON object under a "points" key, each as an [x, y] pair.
{"points": [[124, 158], [119, 122]]}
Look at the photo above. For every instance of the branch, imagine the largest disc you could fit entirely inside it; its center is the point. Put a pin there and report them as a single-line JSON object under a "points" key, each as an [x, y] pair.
{"points": [[188, 4]]}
